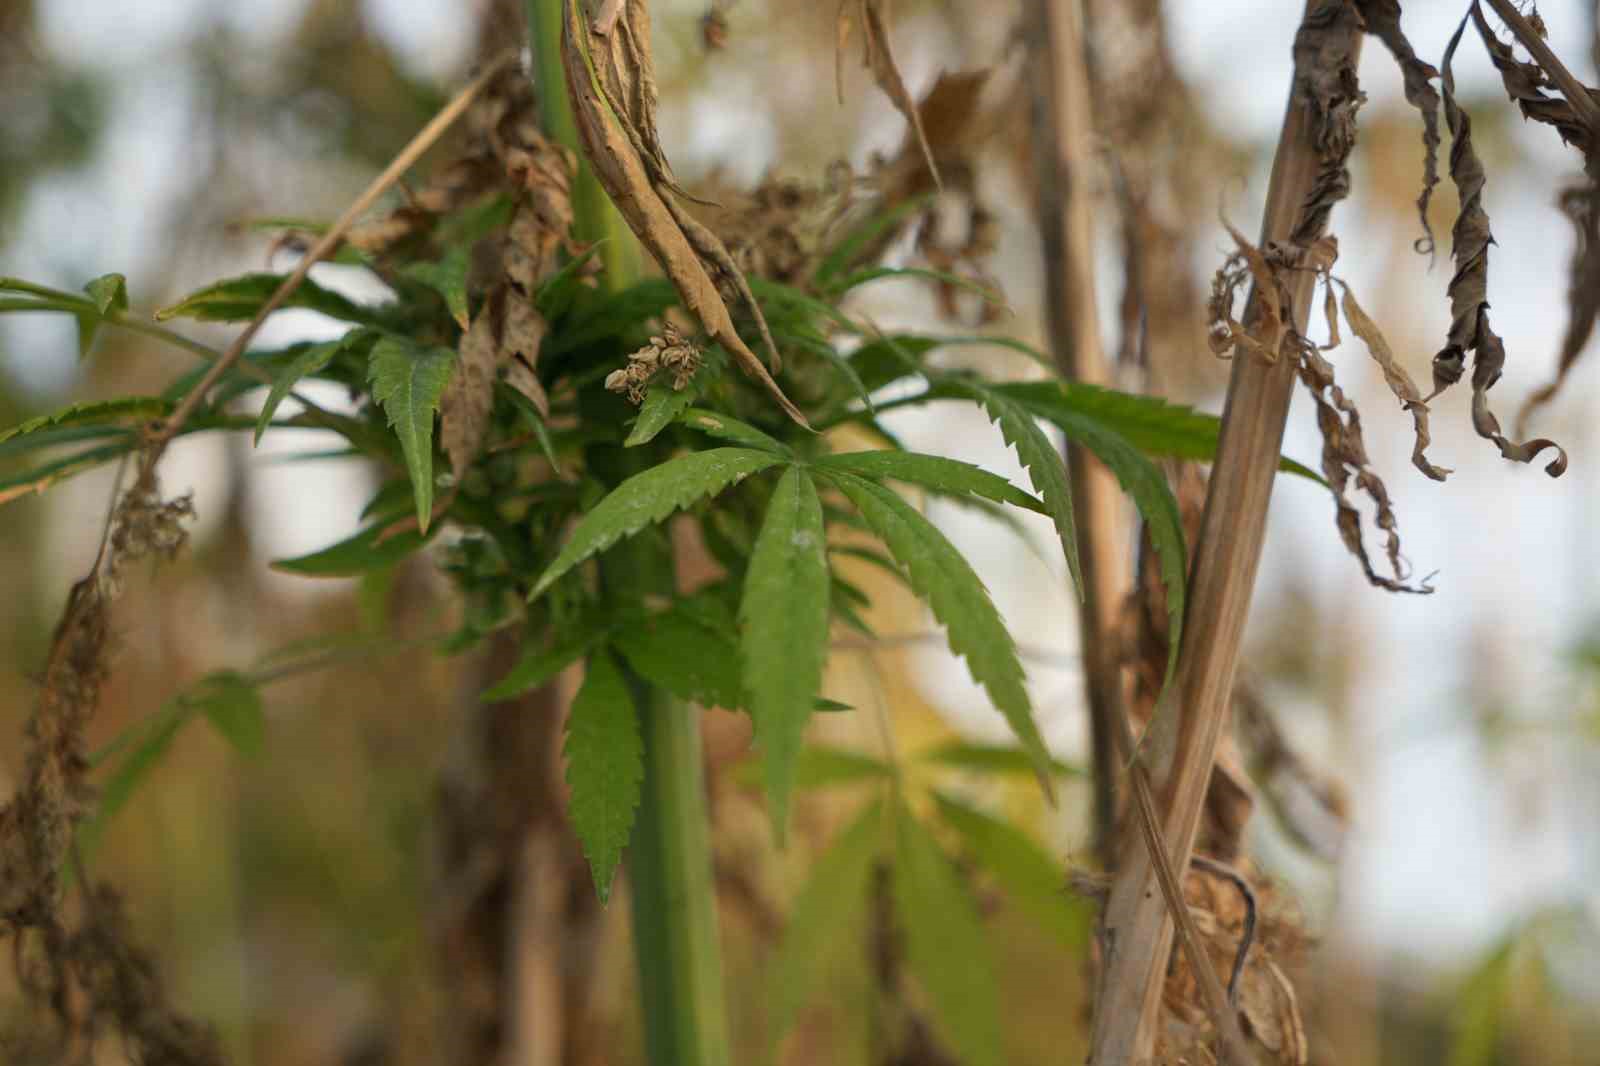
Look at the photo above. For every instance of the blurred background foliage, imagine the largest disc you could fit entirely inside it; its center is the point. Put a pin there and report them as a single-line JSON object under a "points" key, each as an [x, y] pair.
{"points": [[287, 895]]}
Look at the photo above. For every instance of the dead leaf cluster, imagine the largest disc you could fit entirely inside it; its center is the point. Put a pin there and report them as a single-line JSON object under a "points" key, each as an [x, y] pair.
{"points": [[611, 84]]}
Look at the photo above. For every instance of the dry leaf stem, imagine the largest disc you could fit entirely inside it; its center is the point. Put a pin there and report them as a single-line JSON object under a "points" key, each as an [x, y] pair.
{"points": [[408, 157], [1181, 749], [1583, 105], [1062, 137]]}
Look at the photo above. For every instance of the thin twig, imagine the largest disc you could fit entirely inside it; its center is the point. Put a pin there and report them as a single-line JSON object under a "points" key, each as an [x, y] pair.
{"points": [[1247, 935], [403, 162]]}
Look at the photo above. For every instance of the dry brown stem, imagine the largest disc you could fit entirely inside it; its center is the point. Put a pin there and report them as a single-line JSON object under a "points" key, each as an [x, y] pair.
{"points": [[1062, 102], [1183, 741]]}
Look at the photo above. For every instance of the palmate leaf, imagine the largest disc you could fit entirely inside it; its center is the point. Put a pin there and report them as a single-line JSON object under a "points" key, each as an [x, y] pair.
{"points": [[371, 549], [680, 654], [239, 299], [1034, 881], [725, 427], [605, 767], [888, 359], [309, 361], [1043, 462], [825, 921], [940, 575], [1152, 425], [1153, 496], [950, 476], [540, 664], [945, 945], [648, 497], [95, 412], [783, 617], [409, 381]]}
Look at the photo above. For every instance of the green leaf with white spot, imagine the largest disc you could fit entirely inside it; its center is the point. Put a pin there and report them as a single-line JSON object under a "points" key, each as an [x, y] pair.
{"points": [[408, 381], [946, 947], [605, 768], [783, 618], [940, 575], [725, 427], [934, 472], [648, 497]]}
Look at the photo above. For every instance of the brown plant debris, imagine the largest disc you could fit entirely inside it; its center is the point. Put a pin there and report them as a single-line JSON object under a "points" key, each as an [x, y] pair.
{"points": [[877, 57], [671, 352], [1469, 301], [1383, 22], [611, 83]]}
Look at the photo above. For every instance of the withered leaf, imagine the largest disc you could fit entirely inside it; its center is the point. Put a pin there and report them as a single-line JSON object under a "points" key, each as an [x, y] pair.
{"points": [[1581, 205], [1395, 376], [464, 407], [1469, 303], [610, 82], [1383, 22], [877, 57]]}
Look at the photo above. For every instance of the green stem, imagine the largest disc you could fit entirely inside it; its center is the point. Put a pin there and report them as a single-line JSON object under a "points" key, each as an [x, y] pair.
{"points": [[594, 217], [669, 858], [673, 898]]}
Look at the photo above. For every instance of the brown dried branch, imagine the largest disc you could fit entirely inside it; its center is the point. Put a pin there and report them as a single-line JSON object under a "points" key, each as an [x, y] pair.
{"points": [[878, 58], [1181, 746], [611, 84]]}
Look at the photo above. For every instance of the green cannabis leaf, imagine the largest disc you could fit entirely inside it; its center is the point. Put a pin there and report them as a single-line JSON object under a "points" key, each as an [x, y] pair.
{"points": [[239, 299], [408, 381], [232, 704], [648, 497], [951, 476], [940, 575], [945, 944], [605, 767], [784, 620]]}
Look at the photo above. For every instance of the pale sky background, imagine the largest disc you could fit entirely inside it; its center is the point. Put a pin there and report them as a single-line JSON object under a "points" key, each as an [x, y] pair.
{"points": [[1449, 841]]}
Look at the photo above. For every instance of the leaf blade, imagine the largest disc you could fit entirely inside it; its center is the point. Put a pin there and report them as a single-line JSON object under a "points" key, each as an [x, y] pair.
{"points": [[409, 382], [648, 497], [783, 616], [935, 472], [605, 768]]}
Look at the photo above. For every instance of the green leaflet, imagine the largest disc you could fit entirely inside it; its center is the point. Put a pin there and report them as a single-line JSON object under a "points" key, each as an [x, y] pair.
{"points": [[1036, 883], [605, 767], [1149, 423], [989, 759], [232, 703], [540, 664], [888, 359], [110, 294], [945, 945], [825, 921], [823, 767], [783, 616], [725, 427], [664, 404], [95, 412], [683, 656], [368, 550], [409, 381], [1151, 494], [448, 278], [309, 361], [239, 299], [1043, 462], [650, 496], [940, 575], [933, 472]]}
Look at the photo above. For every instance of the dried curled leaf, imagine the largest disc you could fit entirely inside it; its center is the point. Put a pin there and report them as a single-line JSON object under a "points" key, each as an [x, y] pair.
{"points": [[1469, 302], [611, 83], [1264, 337], [877, 57], [1581, 205], [1394, 375], [1383, 22], [469, 396]]}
